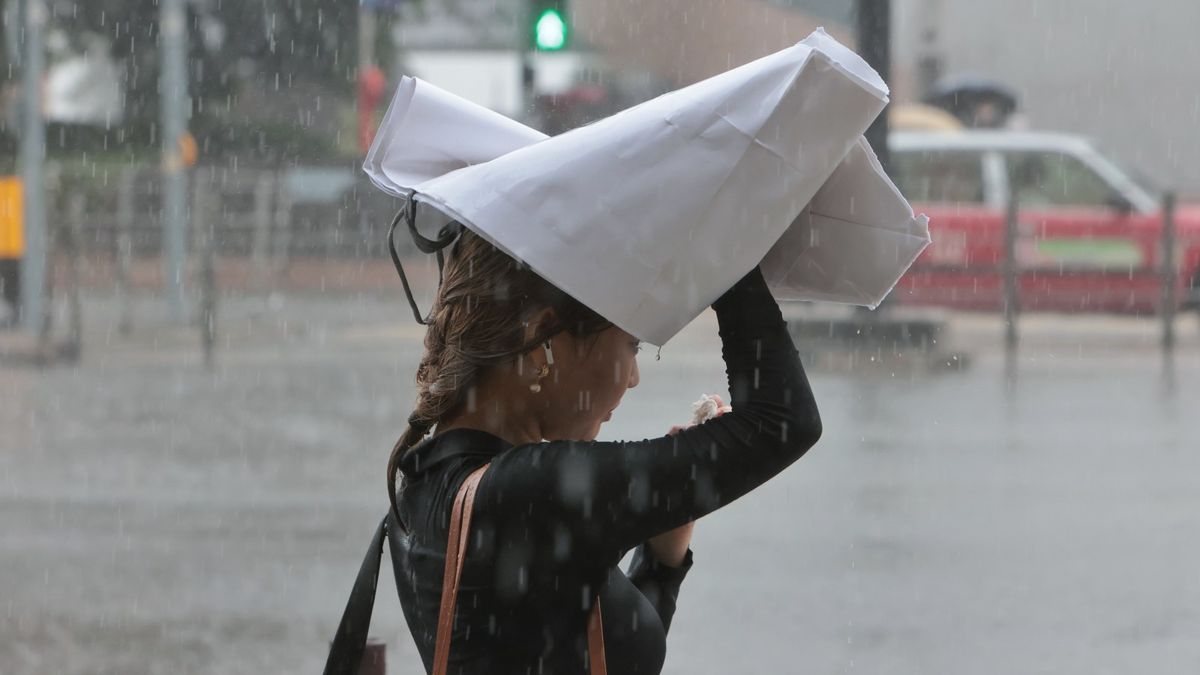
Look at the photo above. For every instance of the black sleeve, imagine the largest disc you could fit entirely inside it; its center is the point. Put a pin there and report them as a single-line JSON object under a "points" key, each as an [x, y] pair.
{"points": [[659, 583], [608, 497]]}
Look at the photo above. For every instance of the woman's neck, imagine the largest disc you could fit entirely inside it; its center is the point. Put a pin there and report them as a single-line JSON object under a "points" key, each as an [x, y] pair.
{"points": [[500, 411]]}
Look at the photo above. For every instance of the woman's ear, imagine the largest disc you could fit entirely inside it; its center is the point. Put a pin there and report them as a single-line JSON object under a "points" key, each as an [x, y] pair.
{"points": [[537, 323]]}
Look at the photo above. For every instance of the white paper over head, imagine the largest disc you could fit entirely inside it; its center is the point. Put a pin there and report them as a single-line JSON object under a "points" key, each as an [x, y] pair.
{"points": [[853, 241], [428, 132], [649, 215]]}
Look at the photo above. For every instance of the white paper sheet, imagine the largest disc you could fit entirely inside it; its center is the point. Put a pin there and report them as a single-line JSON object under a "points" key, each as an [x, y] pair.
{"points": [[649, 215]]}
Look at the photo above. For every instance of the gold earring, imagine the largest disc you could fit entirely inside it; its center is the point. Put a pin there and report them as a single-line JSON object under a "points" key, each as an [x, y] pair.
{"points": [[542, 373]]}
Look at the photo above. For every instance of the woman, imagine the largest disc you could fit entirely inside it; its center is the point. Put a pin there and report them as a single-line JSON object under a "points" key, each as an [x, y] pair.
{"points": [[518, 374]]}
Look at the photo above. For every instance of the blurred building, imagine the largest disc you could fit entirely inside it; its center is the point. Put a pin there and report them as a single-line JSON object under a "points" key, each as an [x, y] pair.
{"points": [[687, 41], [1113, 70], [633, 49], [1121, 72]]}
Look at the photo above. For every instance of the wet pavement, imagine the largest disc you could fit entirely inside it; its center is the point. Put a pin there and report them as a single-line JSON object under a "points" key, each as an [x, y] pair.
{"points": [[1035, 517]]}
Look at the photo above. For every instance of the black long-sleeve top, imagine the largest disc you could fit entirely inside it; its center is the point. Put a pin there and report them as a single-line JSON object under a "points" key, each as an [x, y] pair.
{"points": [[552, 520]]}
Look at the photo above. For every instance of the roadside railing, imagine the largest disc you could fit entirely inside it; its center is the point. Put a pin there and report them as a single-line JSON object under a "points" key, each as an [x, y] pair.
{"points": [[1167, 271], [105, 227], [267, 215]]}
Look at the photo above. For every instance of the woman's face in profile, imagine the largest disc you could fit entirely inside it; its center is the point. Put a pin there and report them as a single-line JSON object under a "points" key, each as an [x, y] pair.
{"points": [[589, 376]]}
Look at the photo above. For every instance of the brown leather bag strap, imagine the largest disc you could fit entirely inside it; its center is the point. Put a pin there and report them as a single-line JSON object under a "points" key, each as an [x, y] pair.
{"points": [[596, 641], [460, 526], [456, 554]]}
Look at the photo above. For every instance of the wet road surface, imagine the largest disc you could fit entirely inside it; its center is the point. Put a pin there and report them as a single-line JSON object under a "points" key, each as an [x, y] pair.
{"points": [[161, 518]]}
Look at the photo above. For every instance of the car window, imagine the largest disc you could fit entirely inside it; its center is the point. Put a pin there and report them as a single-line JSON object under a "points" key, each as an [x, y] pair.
{"points": [[1133, 172], [1056, 179], [939, 177]]}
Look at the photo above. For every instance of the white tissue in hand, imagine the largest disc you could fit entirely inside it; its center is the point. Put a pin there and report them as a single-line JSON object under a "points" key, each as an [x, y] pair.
{"points": [[706, 408]]}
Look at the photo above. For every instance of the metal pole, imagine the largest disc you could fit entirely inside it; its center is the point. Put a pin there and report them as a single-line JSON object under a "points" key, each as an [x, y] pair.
{"points": [[53, 184], [366, 64], [524, 44], [281, 241], [175, 107], [528, 91], [366, 37], [1168, 271], [929, 61], [260, 241], [205, 218], [33, 166], [1011, 273], [72, 244], [875, 45], [126, 195], [12, 25]]}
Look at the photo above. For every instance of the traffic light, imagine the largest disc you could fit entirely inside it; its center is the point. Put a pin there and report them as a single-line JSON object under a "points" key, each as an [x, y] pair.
{"points": [[550, 31]]}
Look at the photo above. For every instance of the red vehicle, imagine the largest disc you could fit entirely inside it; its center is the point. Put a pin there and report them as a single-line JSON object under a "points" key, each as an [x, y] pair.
{"points": [[1089, 233]]}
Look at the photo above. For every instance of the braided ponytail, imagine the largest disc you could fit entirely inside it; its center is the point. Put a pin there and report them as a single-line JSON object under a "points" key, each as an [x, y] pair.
{"points": [[478, 321]]}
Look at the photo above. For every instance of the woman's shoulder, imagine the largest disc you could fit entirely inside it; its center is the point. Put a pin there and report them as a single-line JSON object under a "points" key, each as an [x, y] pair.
{"points": [[435, 454]]}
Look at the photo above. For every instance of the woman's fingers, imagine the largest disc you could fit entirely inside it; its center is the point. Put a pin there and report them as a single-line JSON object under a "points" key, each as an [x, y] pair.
{"points": [[720, 404]]}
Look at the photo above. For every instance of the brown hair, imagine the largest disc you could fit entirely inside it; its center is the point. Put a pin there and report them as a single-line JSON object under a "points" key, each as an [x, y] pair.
{"points": [[478, 320]]}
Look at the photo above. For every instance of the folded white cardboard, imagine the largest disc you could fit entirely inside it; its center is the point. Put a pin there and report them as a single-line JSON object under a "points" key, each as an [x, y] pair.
{"points": [[649, 215]]}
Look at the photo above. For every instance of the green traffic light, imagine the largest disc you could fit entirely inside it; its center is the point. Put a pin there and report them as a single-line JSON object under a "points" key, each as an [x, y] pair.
{"points": [[550, 31]]}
